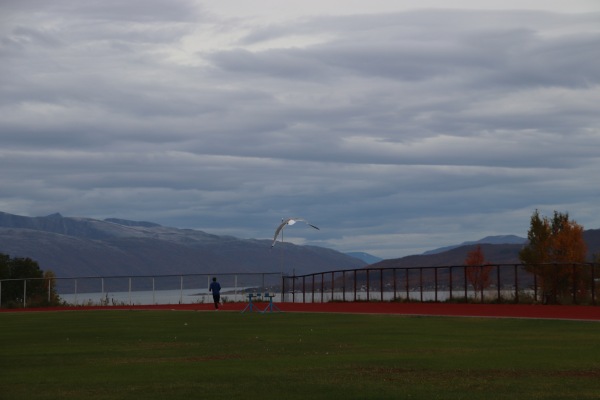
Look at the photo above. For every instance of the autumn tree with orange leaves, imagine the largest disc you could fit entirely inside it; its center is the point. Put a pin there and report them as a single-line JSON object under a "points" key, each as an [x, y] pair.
{"points": [[555, 249], [478, 271]]}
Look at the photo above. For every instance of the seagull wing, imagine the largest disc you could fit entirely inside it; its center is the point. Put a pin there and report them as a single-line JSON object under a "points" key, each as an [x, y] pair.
{"points": [[305, 221], [289, 221], [279, 228]]}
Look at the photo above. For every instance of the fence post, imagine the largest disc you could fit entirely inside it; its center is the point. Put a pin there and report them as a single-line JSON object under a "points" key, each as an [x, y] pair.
{"points": [[322, 286], [368, 287], [435, 271], [24, 293], [421, 282], [344, 285], [593, 267], [354, 285], [181, 290], [406, 271], [1, 293], [574, 283], [465, 276], [394, 270], [498, 281], [235, 287], [332, 285], [304, 289], [535, 286], [516, 284], [381, 283], [481, 289], [450, 282]]}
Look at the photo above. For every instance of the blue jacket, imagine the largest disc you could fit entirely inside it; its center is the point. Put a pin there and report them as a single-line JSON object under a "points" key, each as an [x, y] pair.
{"points": [[215, 288]]}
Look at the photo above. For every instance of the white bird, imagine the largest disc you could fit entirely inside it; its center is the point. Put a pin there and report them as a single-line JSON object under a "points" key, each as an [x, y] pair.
{"points": [[289, 221]]}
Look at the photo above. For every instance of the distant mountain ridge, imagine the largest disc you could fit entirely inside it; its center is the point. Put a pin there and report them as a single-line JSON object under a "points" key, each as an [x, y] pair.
{"points": [[72, 247], [116, 247], [132, 223], [366, 257], [504, 253], [499, 239]]}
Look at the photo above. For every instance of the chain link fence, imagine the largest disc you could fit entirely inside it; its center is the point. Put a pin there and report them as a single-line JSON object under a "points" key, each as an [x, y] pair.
{"points": [[134, 290]]}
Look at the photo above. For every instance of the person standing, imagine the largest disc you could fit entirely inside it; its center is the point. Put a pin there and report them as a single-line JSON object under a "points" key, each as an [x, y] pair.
{"points": [[215, 288]]}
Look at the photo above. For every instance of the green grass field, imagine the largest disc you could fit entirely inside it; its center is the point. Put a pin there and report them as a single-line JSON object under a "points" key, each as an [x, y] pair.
{"points": [[204, 355]]}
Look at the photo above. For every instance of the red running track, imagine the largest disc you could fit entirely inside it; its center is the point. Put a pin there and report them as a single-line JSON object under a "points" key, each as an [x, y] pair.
{"points": [[588, 313]]}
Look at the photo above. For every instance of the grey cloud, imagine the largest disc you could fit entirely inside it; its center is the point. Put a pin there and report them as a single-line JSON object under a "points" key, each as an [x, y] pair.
{"points": [[515, 58], [111, 10], [23, 36], [392, 132], [489, 46], [284, 64]]}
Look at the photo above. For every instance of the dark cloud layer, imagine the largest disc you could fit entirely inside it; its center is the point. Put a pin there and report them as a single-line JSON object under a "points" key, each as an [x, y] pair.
{"points": [[394, 132]]}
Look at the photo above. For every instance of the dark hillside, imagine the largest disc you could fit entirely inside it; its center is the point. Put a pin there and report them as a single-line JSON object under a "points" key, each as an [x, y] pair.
{"points": [[115, 247], [494, 253]]}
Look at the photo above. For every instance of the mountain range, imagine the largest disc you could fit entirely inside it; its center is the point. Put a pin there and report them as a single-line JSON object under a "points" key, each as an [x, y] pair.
{"points": [[500, 239], [75, 247], [496, 250]]}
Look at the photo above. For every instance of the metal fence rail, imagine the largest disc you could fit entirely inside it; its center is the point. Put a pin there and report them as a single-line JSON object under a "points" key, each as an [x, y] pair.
{"points": [[139, 290], [504, 283], [573, 283]]}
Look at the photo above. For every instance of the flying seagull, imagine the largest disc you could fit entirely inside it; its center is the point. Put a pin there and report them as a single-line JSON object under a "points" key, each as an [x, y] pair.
{"points": [[289, 221]]}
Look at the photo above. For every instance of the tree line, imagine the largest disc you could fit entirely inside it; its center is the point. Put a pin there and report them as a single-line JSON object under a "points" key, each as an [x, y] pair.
{"points": [[17, 272], [555, 254]]}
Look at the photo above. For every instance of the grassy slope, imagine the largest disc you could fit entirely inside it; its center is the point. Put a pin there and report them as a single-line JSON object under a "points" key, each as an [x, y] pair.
{"points": [[181, 355]]}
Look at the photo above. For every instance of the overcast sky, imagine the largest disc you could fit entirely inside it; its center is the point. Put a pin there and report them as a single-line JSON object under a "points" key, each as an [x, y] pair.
{"points": [[395, 130]]}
